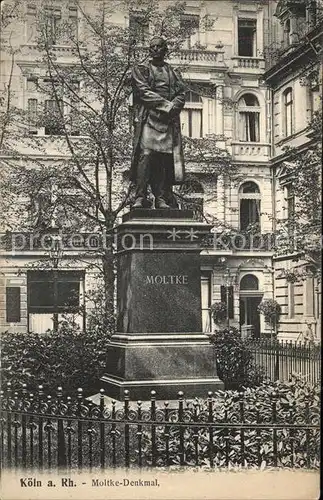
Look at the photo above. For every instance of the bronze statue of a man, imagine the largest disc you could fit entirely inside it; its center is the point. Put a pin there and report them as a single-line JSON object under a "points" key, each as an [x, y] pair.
{"points": [[158, 98]]}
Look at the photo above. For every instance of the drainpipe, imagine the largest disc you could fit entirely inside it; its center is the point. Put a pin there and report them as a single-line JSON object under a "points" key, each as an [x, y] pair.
{"points": [[272, 150], [273, 180], [273, 187]]}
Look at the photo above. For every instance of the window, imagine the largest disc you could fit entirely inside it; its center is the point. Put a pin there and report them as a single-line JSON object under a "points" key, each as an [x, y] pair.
{"points": [[290, 199], [31, 23], [71, 207], [139, 28], [32, 116], [192, 116], [230, 304], [313, 94], [247, 37], [288, 112], [52, 26], [74, 111], [42, 208], [32, 84], [13, 304], [311, 13], [250, 198], [206, 301], [73, 22], [190, 24], [53, 120], [248, 116], [287, 33], [309, 296], [249, 282], [51, 296]]}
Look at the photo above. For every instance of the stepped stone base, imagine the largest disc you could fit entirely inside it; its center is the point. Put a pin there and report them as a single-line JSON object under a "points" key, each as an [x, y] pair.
{"points": [[165, 363]]}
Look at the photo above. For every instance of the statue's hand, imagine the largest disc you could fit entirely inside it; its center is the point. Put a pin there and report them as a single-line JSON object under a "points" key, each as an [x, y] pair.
{"points": [[174, 112]]}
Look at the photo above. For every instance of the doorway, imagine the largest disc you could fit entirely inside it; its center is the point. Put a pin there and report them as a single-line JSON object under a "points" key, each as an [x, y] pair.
{"points": [[250, 298], [249, 314]]}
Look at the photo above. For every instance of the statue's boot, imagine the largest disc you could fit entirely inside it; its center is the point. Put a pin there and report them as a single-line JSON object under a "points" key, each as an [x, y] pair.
{"points": [[142, 181], [139, 203], [161, 203], [157, 182]]}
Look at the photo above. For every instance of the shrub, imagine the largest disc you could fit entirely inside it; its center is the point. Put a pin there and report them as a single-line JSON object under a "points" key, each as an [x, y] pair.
{"points": [[69, 358], [271, 310], [219, 311], [286, 403], [235, 362]]}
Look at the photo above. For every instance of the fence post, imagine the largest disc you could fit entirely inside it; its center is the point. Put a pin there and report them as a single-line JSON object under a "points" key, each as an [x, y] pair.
{"points": [[139, 434], [274, 398], [40, 427], [241, 411], [102, 429], [181, 428], [79, 428], [9, 447], [210, 419], [61, 447], [24, 425], [277, 349], [166, 432], [153, 427], [126, 428]]}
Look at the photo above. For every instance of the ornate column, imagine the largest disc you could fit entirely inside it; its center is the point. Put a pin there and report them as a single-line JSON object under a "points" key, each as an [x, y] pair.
{"points": [[219, 109]]}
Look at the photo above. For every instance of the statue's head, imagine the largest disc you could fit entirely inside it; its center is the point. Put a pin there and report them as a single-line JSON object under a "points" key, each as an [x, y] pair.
{"points": [[157, 48]]}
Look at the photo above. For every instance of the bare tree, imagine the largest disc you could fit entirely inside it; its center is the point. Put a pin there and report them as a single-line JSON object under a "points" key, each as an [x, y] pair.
{"points": [[86, 116]]}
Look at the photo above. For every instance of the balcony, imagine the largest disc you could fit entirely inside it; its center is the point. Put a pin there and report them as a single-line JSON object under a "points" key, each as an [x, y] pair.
{"points": [[206, 57], [194, 57], [248, 151], [238, 241], [249, 65]]}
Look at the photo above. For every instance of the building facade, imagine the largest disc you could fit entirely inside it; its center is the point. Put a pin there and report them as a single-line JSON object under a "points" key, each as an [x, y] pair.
{"points": [[294, 75], [242, 115]]}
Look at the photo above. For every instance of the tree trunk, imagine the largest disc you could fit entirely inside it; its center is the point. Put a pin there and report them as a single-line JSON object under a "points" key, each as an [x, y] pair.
{"points": [[109, 288]]}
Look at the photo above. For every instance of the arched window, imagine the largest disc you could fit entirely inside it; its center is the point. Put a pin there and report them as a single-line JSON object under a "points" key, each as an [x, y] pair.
{"points": [[250, 199], [288, 123], [249, 282], [192, 115], [248, 118]]}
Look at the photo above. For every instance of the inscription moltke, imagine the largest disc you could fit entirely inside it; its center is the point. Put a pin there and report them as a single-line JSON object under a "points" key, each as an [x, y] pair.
{"points": [[169, 279]]}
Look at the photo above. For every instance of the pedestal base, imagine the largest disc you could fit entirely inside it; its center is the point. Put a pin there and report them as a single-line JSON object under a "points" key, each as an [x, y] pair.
{"points": [[165, 363], [159, 290]]}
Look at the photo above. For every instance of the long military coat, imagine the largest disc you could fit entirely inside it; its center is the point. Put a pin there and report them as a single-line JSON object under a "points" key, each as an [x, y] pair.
{"points": [[149, 105]]}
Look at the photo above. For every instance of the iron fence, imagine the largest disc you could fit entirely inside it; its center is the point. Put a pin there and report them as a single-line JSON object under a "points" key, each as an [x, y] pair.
{"points": [[66, 432], [280, 359]]}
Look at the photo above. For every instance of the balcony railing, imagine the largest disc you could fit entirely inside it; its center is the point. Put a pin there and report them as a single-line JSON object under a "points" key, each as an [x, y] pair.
{"points": [[191, 55], [246, 150], [240, 241], [183, 56], [246, 63]]}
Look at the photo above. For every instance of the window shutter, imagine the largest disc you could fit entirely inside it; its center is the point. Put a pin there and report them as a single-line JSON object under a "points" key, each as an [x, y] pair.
{"points": [[13, 304], [230, 299]]}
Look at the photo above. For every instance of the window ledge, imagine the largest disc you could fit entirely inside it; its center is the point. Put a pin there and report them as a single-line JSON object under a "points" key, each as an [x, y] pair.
{"points": [[252, 143], [299, 320], [283, 140]]}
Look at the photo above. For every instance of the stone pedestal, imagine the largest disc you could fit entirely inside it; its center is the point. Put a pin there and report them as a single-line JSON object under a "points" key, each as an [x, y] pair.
{"points": [[159, 345]]}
